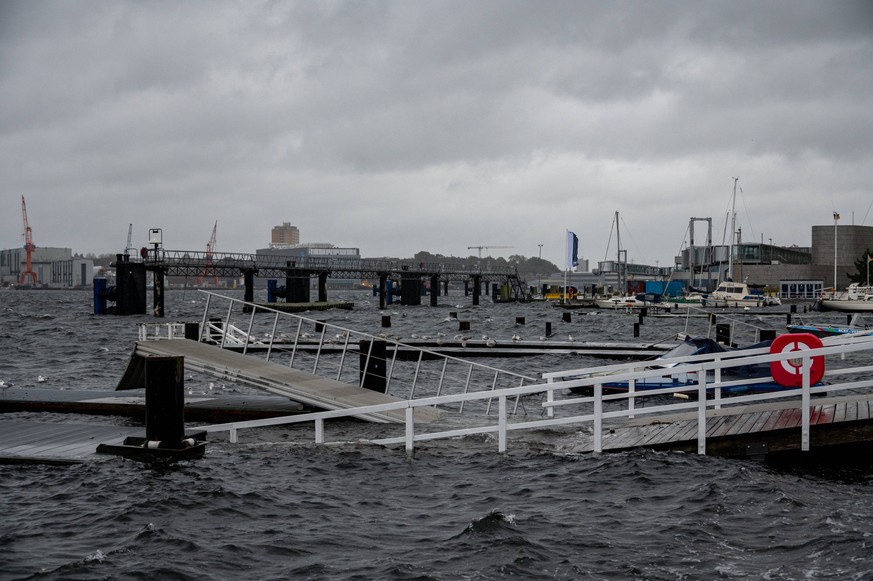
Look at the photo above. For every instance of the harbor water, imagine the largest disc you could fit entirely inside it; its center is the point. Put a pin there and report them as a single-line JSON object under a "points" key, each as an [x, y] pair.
{"points": [[277, 506]]}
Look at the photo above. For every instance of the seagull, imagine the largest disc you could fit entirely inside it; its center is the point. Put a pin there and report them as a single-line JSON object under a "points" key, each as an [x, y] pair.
{"points": [[571, 338], [516, 337], [41, 379], [491, 342]]}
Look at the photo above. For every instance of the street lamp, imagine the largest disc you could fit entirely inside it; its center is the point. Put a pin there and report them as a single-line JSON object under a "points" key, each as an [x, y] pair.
{"points": [[541, 250], [836, 219]]}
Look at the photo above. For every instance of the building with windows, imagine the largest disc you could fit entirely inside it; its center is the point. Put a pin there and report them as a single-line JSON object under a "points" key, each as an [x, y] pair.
{"points": [[284, 236], [53, 267]]}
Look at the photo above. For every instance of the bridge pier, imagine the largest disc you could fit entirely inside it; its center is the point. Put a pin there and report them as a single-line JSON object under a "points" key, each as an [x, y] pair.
{"points": [[434, 289], [158, 293], [383, 277], [296, 287], [322, 286], [477, 288]]}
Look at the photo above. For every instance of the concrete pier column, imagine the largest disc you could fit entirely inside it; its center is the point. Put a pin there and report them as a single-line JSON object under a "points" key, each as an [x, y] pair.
{"points": [[158, 293], [434, 289], [322, 287], [382, 278]]}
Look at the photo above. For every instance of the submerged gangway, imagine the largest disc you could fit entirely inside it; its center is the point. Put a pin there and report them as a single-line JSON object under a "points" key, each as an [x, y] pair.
{"points": [[320, 364], [609, 414]]}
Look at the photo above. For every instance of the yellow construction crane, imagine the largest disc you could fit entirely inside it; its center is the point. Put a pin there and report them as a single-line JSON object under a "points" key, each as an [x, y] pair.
{"points": [[480, 248]]}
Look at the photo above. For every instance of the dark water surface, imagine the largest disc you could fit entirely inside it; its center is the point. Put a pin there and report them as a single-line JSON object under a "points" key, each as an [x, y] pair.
{"points": [[278, 507]]}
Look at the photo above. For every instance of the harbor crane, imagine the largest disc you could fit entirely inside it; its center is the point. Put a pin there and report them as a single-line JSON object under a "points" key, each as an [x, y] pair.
{"points": [[210, 248], [486, 248], [128, 247], [28, 249]]}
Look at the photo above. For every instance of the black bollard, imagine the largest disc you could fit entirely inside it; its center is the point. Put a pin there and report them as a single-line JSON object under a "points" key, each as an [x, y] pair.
{"points": [[319, 326], [192, 331], [386, 321], [165, 401], [565, 317], [788, 319], [463, 325], [636, 329], [548, 329], [373, 365], [723, 333], [519, 320]]}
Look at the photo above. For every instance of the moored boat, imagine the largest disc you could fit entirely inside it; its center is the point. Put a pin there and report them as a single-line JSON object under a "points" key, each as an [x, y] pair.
{"points": [[856, 299]]}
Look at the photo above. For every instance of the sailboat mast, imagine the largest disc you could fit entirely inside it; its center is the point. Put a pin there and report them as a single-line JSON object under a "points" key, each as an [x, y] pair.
{"points": [[733, 231], [618, 243]]}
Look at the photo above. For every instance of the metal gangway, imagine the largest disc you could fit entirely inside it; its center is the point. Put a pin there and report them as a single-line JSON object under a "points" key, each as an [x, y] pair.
{"points": [[606, 413], [319, 363]]}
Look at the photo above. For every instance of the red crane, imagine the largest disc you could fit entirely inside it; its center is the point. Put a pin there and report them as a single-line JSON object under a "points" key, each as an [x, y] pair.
{"points": [[28, 248], [210, 248]]}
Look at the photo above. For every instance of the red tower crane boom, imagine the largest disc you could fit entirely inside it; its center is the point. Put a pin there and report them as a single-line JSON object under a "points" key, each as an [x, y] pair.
{"points": [[28, 249]]}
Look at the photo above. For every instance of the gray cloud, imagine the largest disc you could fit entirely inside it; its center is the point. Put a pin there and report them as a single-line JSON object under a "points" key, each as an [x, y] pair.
{"points": [[402, 126]]}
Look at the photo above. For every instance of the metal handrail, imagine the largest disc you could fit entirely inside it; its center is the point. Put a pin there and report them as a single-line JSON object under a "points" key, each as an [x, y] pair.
{"points": [[228, 334], [599, 414]]}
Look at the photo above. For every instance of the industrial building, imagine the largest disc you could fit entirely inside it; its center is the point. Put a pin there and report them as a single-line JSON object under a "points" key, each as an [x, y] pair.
{"points": [[53, 268]]}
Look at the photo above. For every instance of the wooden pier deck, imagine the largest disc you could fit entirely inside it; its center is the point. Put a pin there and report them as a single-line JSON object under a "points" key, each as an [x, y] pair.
{"points": [[278, 379], [749, 430], [56, 443]]}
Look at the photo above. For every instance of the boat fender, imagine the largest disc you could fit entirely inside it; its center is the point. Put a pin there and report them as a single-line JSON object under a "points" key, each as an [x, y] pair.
{"points": [[789, 372], [153, 444]]}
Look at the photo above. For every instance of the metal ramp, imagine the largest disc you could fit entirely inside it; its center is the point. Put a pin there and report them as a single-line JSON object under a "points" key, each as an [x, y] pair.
{"points": [[278, 379]]}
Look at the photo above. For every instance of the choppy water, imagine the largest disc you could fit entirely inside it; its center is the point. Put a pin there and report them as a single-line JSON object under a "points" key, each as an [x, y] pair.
{"points": [[277, 507]]}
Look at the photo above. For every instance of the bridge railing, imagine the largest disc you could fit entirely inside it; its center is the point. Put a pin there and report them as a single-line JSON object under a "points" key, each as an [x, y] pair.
{"points": [[601, 408], [190, 258], [381, 362]]}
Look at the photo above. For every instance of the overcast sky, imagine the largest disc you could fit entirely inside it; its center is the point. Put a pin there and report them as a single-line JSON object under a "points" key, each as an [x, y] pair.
{"points": [[417, 125]]}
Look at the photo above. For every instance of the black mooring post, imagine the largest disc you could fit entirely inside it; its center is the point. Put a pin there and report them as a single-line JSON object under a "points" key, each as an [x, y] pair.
{"points": [[165, 400], [373, 365], [477, 288], [159, 293], [434, 289]]}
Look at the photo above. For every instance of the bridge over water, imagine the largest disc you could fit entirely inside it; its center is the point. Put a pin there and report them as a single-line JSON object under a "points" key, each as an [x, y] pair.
{"points": [[298, 273]]}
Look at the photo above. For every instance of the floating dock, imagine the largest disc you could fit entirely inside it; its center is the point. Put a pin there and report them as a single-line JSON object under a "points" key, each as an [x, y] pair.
{"points": [[198, 408], [306, 388], [755, 430]]}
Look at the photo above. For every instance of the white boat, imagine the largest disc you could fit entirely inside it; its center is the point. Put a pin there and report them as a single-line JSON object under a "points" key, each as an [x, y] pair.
{"points": [[856, 299], [733, 294], [619, 302]]}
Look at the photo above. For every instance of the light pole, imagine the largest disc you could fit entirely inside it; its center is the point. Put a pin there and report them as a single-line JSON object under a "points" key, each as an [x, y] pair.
{"points": [[541, 250], [836, 219]]}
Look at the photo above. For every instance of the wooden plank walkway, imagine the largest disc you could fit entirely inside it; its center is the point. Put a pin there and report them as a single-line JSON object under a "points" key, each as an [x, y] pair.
{"points": [[279, 379], [198, 408], [56, 443], [734, 431]]}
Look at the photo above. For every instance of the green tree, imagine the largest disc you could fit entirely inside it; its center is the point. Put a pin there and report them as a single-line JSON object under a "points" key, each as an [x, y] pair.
{"points": [[862, 266]]}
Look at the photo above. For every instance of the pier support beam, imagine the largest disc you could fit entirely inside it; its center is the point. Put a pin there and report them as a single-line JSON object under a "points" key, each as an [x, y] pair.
{"points": [[383, 277], [296, 285], [477, 288], [158, 309], [434, 289], [322, 286], [249, 285]]}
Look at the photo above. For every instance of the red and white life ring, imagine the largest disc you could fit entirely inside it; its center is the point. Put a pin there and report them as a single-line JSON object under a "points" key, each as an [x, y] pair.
{"points": [[789, 372]]}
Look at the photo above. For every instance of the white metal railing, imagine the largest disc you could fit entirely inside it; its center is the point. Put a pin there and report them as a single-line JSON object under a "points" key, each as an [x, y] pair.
{"points": [[595, 410], [324, 349]]}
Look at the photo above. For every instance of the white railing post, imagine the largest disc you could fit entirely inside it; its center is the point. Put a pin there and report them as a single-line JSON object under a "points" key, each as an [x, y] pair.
{"points": [[410, 429], [550, 397], [233, 436], [701, 411], [631, 390], [501, 424], [319, 431], [598, 418], [805, 404]]}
